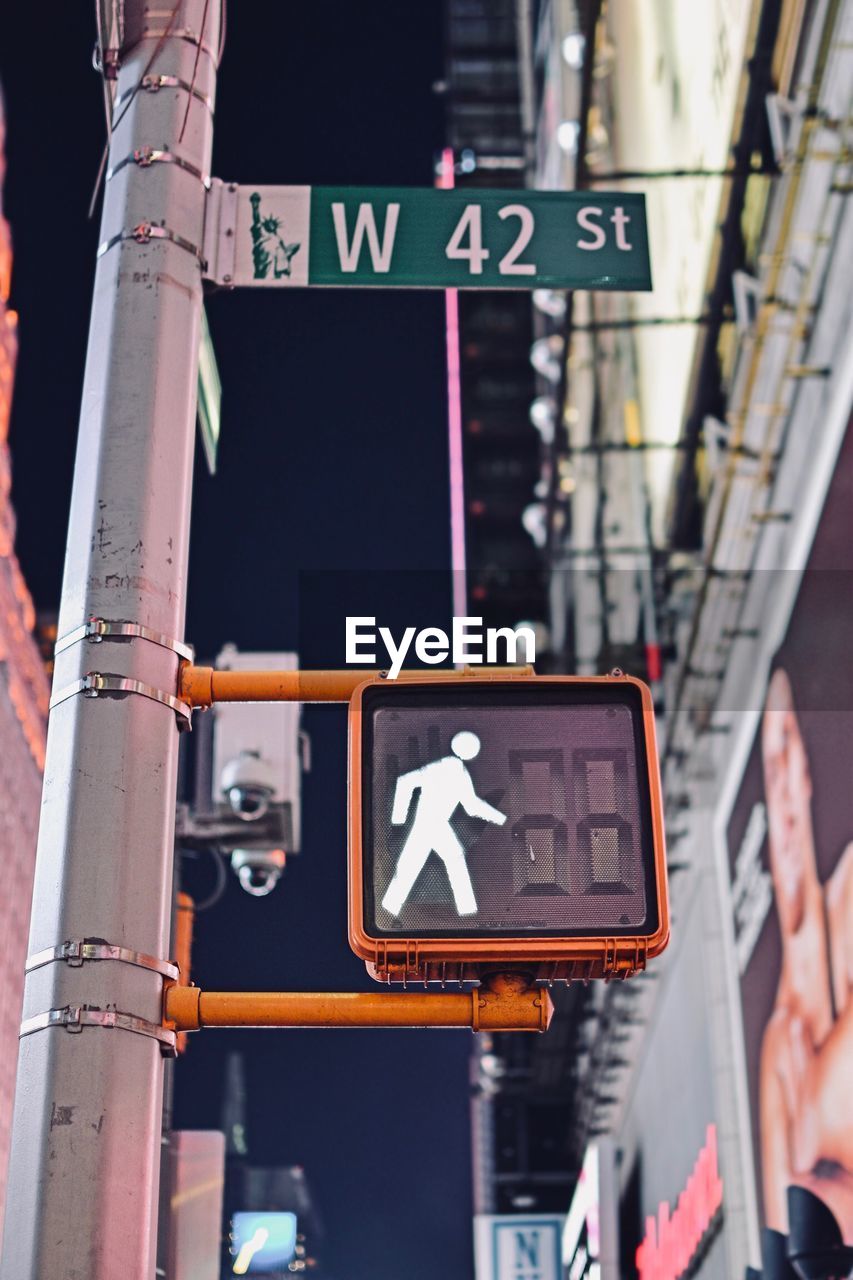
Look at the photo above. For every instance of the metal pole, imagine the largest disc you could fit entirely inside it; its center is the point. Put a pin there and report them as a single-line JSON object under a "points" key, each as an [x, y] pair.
{"points": [[83, 1176]]}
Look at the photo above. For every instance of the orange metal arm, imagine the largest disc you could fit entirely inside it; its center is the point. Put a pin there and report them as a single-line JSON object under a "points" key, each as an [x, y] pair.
{"points": [[508, 1006], [202, 686], [184, 920]]}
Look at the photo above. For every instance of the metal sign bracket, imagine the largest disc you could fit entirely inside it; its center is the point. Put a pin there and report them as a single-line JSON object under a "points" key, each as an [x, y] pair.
{"points": [[220, 225]]}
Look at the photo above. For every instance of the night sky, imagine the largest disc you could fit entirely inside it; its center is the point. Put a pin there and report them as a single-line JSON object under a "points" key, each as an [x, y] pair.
{"points": [[331, 498]]}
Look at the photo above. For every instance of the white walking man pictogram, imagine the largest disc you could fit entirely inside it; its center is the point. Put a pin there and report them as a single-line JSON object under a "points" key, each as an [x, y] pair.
{"points": [[443, 785]]}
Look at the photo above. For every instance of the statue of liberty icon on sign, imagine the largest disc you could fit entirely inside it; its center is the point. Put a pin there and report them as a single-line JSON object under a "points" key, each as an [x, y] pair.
{"points": [[269, 249], [443, 785]]}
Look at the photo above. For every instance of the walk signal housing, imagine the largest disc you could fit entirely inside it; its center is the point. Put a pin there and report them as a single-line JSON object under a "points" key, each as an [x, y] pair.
{"points": [[511, 822]]}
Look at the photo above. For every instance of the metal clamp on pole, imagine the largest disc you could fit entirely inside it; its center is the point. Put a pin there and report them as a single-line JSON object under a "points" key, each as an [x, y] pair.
{"points": [[153, 84], [180, 33], [144, 157], [77, 951], [95, 683], [144, 233], [97, 629], [74, 1017]]}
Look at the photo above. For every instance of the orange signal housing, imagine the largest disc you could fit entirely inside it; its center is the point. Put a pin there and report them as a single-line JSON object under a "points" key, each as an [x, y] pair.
{"points": [[424, 959]]}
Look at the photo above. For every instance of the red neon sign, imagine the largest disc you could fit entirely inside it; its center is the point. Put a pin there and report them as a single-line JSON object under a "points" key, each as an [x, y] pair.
{"points": [[670, 1243]]}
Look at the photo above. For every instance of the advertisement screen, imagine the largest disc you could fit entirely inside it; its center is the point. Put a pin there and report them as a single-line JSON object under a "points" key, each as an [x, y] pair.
{"points": [[262, 1244], [790, 852], [505, 813]]}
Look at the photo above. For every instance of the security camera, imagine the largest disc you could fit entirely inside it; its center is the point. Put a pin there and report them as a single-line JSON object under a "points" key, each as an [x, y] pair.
{"points": [[258, 870], [248, 782]]}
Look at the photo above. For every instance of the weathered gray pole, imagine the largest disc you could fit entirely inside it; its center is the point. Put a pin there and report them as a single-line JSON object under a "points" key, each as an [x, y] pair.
{"points": [[83, 1176]]}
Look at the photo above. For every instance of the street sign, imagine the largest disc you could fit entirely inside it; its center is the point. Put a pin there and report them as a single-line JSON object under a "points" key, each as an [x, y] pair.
{"points": [[504, 821], [407, 237], [517, 1246]]}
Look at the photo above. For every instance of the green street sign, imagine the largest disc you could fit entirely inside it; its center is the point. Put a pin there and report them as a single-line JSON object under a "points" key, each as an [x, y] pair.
{"points": [[412, 238]]}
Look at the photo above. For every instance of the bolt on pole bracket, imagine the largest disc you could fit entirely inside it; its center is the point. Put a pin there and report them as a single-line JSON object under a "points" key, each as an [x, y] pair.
{"points": [[74, 1017]]}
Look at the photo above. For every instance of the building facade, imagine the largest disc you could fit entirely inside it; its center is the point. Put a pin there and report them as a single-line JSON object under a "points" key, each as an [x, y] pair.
{"points": [[23, 717], [691, 515]]}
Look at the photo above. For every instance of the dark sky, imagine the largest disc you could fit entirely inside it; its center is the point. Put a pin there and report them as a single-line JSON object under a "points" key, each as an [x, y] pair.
{"points": [[333, 457]]}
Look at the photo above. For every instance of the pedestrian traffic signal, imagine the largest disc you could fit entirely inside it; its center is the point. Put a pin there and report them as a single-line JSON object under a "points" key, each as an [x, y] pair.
{"points": [[505, 820]]}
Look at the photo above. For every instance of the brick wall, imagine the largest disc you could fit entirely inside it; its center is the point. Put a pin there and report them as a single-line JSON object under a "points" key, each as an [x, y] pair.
{"points": [[23, 716]]}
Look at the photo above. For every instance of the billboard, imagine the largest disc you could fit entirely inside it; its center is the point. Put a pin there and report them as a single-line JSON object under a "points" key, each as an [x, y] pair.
{"points": [[789, 845], [262, 1243]]}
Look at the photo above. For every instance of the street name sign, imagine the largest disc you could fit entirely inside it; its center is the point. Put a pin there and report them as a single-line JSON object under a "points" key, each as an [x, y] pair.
{"points": [[412, 238], [504, 821]]}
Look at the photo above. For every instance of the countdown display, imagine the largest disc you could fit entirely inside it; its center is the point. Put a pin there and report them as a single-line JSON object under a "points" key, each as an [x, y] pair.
{"points": [[500, 814]]}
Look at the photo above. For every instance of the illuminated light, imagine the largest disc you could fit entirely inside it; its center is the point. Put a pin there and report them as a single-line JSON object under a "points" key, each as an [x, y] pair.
{"points": [[543, 411], [523, 1202], [654, 663], [573, 50], [263, 1243], [546, 356], [454, 421], [567, 136], [442, 786], [671, 1242], [598, 139], [550, 302], [534, 520], [248, 1251], [633, 434], [530, 806], [568, 484]]}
